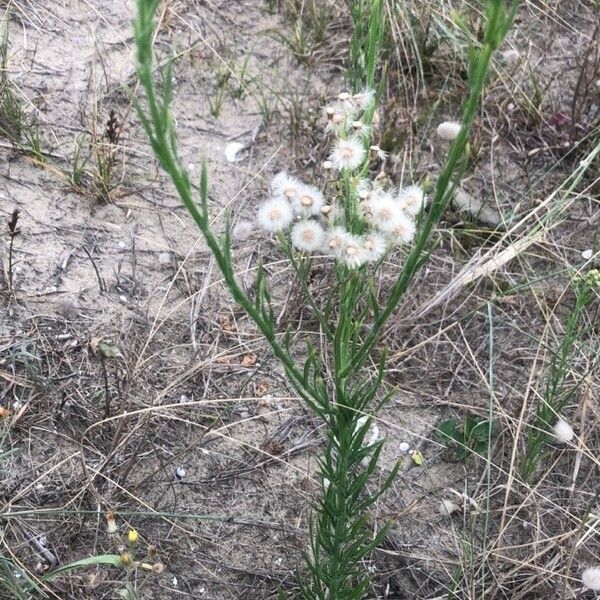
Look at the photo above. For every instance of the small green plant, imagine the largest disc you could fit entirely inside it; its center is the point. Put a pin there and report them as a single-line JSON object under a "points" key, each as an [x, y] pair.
{"points": [[215, 101], [360, 223], [548, 423], [466, 437], [79, 161], [12, 115], [14, 124], [310, 21]]}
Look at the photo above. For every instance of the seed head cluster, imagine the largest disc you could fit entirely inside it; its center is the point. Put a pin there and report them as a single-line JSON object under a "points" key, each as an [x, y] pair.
{"points": [[353, 219]]}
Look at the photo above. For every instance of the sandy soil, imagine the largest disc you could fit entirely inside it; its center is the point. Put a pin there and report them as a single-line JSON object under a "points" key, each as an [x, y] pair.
{"points": [[122, 360]]}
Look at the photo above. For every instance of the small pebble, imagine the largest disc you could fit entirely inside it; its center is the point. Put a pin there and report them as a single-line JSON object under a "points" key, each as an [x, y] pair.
{"points": [[587, 254], [164, 258], [404, 447], [180, 473], [447, 507]]}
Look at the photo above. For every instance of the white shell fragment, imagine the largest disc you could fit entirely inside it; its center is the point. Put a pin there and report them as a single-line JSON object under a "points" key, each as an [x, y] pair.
{"points": [[231, 151]]}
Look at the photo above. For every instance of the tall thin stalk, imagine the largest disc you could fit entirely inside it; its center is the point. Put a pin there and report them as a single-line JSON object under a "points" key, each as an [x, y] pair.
{"points": [[341, 533]]}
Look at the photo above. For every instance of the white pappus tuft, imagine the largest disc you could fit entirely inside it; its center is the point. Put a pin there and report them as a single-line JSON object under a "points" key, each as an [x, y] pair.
{"points": [[383, 212], [335, 241], [274, 215], [563, 432], [308, 236], [242, 230], [448, 130], [404, 229], [591, 579], [308, 201], [353, 253], [411, 199], [374, 246], [348, 154], [285, 185], [364, 99]]}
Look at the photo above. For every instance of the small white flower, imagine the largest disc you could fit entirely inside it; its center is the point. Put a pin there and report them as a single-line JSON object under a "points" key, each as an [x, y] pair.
{"points": [[591, 579], [447, 507], [327, 165], [404, 229], [411, 199], [285, 185], [563, 432], [353, 253], [384, 212], [308, 201], [274, 215], [307, 236], [449, 130], [374, 245], [242, 230], [347, 154]]}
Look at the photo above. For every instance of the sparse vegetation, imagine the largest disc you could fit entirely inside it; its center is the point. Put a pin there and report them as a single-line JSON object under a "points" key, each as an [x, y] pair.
{"points": [[136, 395]]}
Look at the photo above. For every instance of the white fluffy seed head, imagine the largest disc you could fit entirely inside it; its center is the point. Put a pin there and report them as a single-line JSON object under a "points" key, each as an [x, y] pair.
{"points": [[448, 130], [307, 236], [352, 253], [347, 154], [364, 99], [308, 201], [591, 579], [242, 230], [335, 241], [274, 214], [374, 246], [411, 199], [383, 212], [285, 185], [563, 432], [510, 57], [404, 229]]}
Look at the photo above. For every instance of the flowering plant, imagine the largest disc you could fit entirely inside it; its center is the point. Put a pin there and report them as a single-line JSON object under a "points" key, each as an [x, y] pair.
{"points": [[354, 223]]}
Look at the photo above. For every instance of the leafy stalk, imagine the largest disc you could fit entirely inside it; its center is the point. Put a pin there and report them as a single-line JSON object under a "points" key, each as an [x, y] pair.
{"points": [[341, 534]]}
